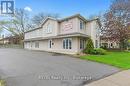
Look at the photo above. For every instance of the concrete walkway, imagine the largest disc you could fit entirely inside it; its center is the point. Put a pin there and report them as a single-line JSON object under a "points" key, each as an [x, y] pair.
{"points": [[118, 79]]}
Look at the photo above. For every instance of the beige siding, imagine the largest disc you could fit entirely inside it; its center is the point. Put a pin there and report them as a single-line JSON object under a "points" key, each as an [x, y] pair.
{"points": [[57, 47], [69, 26], [33, 34], [53, 26], [92, 29], [78, 26], [42, 32], [65, 26]]}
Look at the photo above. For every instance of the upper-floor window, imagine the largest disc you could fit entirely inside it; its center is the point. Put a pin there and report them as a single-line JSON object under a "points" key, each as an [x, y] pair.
{"points": [[82, 24], [67, 43], [49, 29]]}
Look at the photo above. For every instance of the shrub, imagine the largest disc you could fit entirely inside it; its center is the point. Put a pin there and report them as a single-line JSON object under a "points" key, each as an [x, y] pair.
{"points": [[89, 46], [99, 51]]}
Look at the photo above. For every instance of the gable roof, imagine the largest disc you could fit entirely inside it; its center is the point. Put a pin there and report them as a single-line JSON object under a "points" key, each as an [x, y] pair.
{"points": [[96, 19], [41, 24], [73, 16], [47, 18], [61, 20]]}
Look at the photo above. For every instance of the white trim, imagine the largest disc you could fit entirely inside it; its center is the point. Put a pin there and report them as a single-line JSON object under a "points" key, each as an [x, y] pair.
{"points": [[69, 46]]}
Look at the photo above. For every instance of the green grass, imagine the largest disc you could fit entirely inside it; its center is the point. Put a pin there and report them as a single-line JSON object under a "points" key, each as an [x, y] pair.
{"points": [[117, 59], [2, 83]]}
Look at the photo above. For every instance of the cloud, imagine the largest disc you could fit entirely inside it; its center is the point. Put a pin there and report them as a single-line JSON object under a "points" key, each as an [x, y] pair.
{"points": [[27, 8]]}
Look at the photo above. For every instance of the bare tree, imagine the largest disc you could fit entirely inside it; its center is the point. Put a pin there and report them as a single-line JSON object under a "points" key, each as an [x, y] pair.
{"points": [[18, 23], [116, 22], [36, 20]]}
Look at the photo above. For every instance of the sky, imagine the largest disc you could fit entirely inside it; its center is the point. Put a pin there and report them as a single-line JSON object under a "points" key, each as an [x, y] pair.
{"points": [[64, 7]]}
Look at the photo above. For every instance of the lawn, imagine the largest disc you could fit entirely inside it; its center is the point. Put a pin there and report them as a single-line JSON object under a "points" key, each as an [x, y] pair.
{"points": [[2, 83], [117, 59]]}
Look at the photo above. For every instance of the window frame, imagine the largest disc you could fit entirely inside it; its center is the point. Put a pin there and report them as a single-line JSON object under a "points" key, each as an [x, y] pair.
{"points": [[50, 43], [82, 25], [82, 43], [67, 43], [36, 44], [48, 28], [96, 43]]}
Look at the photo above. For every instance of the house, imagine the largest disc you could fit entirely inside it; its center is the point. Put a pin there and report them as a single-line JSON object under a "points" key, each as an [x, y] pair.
{"points": [[66, 35], [109, 44], [10, 40]]}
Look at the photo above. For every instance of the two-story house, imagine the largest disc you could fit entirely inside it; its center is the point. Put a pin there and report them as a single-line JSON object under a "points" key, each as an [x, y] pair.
{"points": [[66, 35]]}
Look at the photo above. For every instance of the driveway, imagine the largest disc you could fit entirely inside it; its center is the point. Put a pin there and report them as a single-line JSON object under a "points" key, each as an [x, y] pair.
{"points": [[34, 68]]}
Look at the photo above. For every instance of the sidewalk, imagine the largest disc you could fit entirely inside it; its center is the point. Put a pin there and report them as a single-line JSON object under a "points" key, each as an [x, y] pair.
{"points": [[118, 79]]}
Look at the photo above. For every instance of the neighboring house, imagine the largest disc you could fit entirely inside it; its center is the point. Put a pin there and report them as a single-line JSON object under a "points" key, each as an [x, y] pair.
{"points": [[110, 44], [10, 40], [1, 42], [67, 35]]}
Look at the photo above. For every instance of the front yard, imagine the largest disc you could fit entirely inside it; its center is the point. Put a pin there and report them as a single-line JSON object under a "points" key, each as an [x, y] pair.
{"points": [[2, 83], [117, 59]]}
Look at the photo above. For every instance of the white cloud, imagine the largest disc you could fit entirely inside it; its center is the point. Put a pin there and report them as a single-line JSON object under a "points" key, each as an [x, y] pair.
{"points": [[27, 8]]}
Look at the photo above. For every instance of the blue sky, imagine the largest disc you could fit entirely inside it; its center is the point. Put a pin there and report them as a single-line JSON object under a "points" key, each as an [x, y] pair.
{"points": [[65, 7]]}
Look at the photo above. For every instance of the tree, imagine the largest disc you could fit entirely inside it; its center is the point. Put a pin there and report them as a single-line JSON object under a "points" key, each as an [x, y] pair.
{"points": [[18, 23], [1, 24], [38, 18], [89, 46], [116, 22]]}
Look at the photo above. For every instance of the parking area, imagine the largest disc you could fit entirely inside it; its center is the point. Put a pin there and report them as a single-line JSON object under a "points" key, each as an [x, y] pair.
{"points": [[21, 67]]}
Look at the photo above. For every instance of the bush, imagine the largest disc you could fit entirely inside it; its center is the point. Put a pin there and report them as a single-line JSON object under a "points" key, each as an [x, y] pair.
{"points": [[89, 46], [99, 51]]}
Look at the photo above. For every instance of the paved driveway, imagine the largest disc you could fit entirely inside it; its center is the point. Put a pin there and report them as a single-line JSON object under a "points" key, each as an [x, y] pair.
{"points": [[32, 68]]}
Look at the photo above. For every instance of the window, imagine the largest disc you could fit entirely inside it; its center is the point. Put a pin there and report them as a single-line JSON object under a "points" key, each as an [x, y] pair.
{"points": [[82, 24], [31, 44], [64, 44], [111, 44], [48, 29], [67, 43], [97, 32], [82, 43], [36, 44], [70, 44], [96, 43], [50, 43]]}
